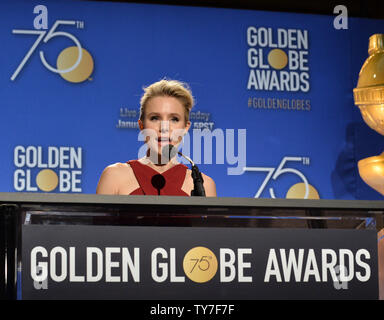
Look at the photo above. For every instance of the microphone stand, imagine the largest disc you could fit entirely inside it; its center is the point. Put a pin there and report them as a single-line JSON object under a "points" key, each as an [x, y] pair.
{"points": [[198, 181]]}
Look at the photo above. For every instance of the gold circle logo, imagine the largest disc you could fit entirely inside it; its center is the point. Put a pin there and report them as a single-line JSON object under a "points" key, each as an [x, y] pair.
{"points": [[68, 57], [297, 191], [200, 264], [47, 180], [277, 58]]}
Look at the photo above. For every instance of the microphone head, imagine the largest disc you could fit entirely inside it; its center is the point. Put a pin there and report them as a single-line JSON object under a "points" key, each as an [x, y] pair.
{"points": [[168, 152], [158, 182]]}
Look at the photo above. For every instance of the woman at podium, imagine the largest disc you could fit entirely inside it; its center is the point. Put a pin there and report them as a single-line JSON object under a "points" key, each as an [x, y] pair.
{"points": [[164, 118]]}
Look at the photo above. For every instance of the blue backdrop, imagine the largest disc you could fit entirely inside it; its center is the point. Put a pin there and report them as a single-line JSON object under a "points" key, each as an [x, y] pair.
{"points": [[286, 79]]}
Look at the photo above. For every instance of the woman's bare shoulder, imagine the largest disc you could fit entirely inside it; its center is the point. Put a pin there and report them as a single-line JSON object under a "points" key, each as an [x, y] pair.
{"points": [[208, 180], [114, 177], [117, 169], [118, 166], [209, 184]]}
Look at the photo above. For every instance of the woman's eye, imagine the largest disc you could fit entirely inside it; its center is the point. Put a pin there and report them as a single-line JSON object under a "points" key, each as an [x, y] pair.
{"points": [[175, 119], [154, 118]]}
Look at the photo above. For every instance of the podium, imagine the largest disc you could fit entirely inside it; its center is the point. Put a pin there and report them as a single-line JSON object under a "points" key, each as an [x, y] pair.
{"points": [[80, 246]]}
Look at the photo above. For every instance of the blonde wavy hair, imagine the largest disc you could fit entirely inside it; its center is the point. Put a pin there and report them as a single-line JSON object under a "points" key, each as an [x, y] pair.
{"points": [[168, 88]]}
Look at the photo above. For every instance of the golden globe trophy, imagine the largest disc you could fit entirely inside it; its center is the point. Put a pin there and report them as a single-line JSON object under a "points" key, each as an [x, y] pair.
{"points": [[369, 97]]}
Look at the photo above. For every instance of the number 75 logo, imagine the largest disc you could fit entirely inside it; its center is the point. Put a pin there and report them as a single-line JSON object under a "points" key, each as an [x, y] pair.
{"points": [[74, 64], [301, 190]]}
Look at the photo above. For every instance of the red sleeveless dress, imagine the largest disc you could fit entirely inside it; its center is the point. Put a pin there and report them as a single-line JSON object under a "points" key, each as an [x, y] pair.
{"points": [[171, 180]]}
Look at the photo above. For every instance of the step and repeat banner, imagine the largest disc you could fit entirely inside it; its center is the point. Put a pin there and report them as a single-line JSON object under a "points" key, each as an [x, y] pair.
{"points": [[274, 113]]}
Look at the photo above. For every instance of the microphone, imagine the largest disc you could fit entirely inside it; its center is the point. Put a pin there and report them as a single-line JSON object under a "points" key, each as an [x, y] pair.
{"points": [[168, 152], [158, 181]]}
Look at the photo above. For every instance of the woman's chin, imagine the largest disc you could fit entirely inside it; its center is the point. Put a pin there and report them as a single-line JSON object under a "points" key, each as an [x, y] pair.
{"points": [[158, 156], [160, 145]]}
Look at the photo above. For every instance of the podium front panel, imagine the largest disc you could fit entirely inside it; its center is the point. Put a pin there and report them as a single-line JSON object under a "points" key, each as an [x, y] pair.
{"points": [[156, 263]]}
